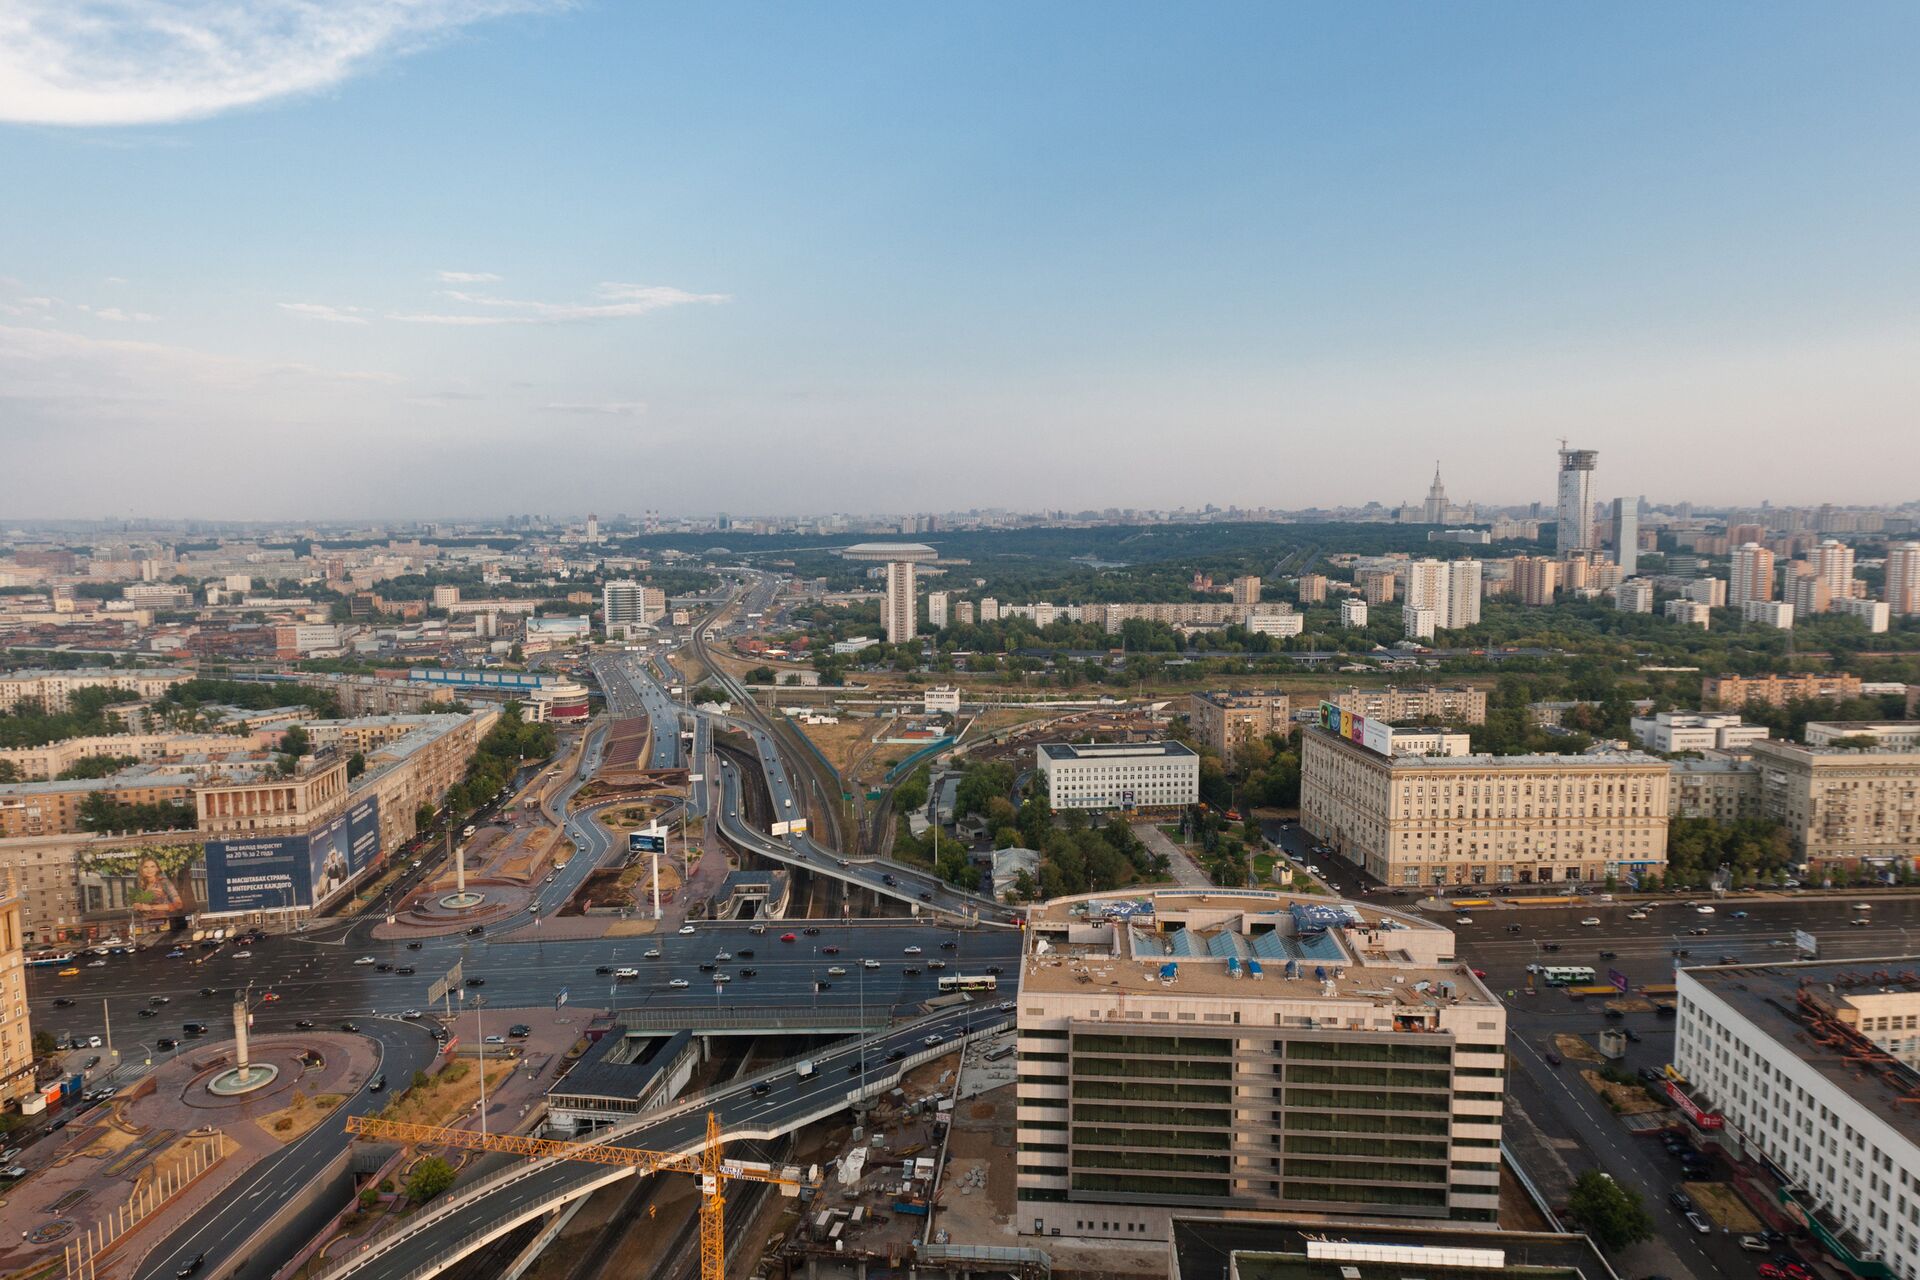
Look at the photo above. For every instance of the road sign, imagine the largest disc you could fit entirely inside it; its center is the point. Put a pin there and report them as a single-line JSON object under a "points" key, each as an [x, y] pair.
{"points": [[1618, 980], [797, 826], [1807, 944], [646, 842], [780, 828], [451, 982], [560, 999]]}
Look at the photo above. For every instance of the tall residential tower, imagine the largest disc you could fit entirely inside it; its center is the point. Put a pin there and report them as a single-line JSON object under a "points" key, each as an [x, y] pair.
{"points": [[1576, 500]]}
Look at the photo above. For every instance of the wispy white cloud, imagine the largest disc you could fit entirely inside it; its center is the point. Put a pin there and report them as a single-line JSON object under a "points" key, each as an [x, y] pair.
{"points": [[468, 277], [612, 301], [130, 62], [325, 311], [609, 408], [119, 316]]}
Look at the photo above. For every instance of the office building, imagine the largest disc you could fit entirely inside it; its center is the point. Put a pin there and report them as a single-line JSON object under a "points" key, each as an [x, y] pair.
{"points": [[1463, 596], [1245, 591], [1874, 613], [937, 609], [1735, 692], [1227, 721], [1843, 807], [16, 1026], [1633, 596], [622, 605], [1418, 622], [1376, 585], [1312, 588], [593, 528], [941, 700], [1903, 579], [1671, 731], [1463, 704], [1250, 1053], [1752, 576], [1689, 613], [1810, 1068], [1415, 820], [1275, 624], [1536, 579], [1119, 775], [1574, 510], [1626, 536], [1777, 614], [1353, 612]]}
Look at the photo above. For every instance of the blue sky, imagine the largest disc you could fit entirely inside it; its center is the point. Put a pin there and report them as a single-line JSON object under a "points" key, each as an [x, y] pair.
{"points": [[465, 256]]}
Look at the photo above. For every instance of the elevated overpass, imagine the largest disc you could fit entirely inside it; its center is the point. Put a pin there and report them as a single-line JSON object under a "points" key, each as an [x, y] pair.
{"points": [[432, 1241]]}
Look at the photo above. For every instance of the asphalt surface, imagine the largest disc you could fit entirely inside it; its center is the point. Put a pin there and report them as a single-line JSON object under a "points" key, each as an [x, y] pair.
{"points": [[839, 1070]]}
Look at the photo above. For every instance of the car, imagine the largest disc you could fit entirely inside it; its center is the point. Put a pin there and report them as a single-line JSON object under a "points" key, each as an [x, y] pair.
{"points": [[1631, 1034], [604, 970], [305, 1024], [1549, 946], [92, 1062], [1699, 1223], [206, 991], [1698, 933], [1754, 1244], [1703, 910], [1680, 1200], [1682, 952], [910, 972], [1769, 1270], [1463, 919], [678, 983], [1636, 915], [687, 931], [896, 1055], [1795, 1271], [994, 970], [748, 973], [377, 1084], [932, 1040], [811, 931], [869, 964], [1552, 1058], [175, 954], [1591, 922], [823, 985], [722, 977], [1609, 955], [1859, 922], [651, 953], [412, 1015], [496, 1039], [1513, 928], [936, 964], [414, 945], [101, 964], [165, 1043], [1478, 973], [707, 966], [756, 928], [836, 971], [1614, 1015], [723, 955], [476, 982], [1738, 915], [789, 937], [762, 1089], [71, 971], [270, 997], [385, 966], [949, 945], [404, 970], [192, 1265], [348, 1026], [148, 1013], [745, 953], [477, 931], [366, 960], [63, 1002]]}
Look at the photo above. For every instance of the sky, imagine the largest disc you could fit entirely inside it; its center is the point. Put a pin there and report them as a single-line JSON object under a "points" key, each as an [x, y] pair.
{"points": [[266, 259]]}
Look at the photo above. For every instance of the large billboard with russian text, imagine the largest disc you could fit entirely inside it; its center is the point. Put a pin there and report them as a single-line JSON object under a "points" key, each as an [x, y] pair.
{"points": [[283, 871]]}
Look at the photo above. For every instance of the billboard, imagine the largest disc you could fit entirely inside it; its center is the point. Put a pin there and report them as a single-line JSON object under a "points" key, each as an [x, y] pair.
{"points": [[646, 842], [278, 872], [155, 881], [1617, 980], [1371, 734], [1806, 943]]}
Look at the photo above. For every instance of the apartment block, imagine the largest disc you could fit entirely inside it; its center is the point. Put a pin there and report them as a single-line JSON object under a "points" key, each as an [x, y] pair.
{"points": [[1752, 576], [16, 1025], [54, 690], [1417, 622], [1903, 579], [1688, 613], [1877, 615], [1376, 585], [1245, 591], [1417, 820], [1353, 612], [1843, 807], [1735, 692], [1242, 1053], [1312, 588], [1722, 790], [1227, 721], [1535, 579], [1633, 596], [1460, 705]]}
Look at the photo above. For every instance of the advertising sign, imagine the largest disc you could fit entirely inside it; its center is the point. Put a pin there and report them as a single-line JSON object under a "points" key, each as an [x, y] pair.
{"points": [[1808, 945], [280, 872], [1618, 980], [646, 842], [1371, 734], [1691, 1109], [342, 849], [1375, 736]]}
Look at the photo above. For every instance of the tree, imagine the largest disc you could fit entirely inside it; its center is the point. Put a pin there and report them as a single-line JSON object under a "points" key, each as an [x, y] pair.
{"points": [[296, 741], [422, 816], [356, 765], [9, 771], [1612, 1214], [44, 1045], [429, 1178], [760, 675]]}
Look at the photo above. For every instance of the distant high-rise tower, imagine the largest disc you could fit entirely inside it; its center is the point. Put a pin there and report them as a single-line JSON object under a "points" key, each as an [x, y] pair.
{"points": [[1626, 536], [593, 527], [1903, 578], [1576, 500], [1752, 578], [1833, 560], [1436, 508], [897, 610]]}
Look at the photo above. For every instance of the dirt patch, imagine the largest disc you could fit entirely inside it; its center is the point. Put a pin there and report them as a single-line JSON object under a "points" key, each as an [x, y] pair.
{"points": [[1722, 1205], [1631, 1004], [112, 1140], [1623, 1099], [1575, 1048], [296, 1120], [448, 1094]]}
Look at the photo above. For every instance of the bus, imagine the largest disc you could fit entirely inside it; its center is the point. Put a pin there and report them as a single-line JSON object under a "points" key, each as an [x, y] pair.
{"points": [[1566, 975], [969, 982], [50, 957]]}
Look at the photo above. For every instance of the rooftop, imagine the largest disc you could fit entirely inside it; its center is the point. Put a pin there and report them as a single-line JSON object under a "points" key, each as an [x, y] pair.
{"points": [[1584, 760], [1786, 1002], [1203, 1249], [890, 551], [1107, 750]]}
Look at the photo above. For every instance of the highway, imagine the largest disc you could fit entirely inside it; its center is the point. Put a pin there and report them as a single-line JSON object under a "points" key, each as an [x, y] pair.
{"points": [[441, 1238]]}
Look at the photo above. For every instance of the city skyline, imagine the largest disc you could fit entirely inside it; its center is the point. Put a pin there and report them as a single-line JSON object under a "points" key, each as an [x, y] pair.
{"points": [[371, 261]]}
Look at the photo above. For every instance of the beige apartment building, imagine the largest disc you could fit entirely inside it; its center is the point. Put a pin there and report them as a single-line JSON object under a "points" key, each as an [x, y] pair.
{"points": [[1313, 588], [1535, 579], [16, 1026], [1227, 721], [1243, 1052], [1377, 585], [39, 764], [1462, 705], [1734, 692], [54, 690], [53, 808], [1842, 807], [1468, 820]]}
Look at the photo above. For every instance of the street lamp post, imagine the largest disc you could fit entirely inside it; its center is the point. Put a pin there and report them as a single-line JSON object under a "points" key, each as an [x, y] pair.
{"points": [[480, 1034]]}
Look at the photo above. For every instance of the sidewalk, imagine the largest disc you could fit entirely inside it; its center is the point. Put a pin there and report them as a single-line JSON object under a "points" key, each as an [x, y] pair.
{"points": [[1185, 871]]}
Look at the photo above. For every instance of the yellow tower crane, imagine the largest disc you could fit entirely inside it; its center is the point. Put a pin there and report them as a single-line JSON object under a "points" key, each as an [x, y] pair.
{"points": [[707, 1164]]}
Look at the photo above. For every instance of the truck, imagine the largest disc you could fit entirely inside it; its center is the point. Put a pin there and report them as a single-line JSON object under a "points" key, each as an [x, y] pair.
{"points": [[805, 1070]]}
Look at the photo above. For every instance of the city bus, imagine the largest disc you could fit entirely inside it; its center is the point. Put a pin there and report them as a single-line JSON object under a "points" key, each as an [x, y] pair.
{"points": [[969, 982], [1569, 975]]}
